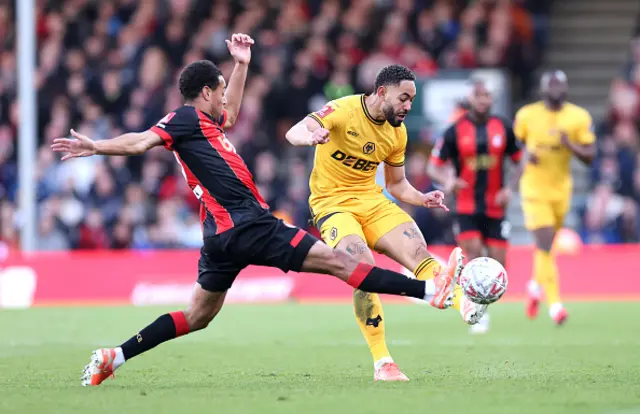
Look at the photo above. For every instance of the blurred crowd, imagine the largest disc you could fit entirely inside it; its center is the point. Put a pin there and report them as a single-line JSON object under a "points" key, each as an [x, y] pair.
{"points": [[105, 67], [612, 212]]}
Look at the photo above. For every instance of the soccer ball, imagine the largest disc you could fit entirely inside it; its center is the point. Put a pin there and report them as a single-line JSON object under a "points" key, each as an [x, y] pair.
{"points": [[483, 280]]}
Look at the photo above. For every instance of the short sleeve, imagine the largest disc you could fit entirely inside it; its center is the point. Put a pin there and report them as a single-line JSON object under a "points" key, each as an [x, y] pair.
{"points": [[513, 148], [397, 156], [329, 116], [446, 148], [520, 125], [585, 134], [175, 126]]}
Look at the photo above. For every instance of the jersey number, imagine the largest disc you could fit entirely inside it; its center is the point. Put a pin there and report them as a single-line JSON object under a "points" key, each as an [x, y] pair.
{"points": [[226, 144]]}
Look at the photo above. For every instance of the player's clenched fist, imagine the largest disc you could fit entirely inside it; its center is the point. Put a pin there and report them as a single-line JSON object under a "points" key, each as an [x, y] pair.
{"points": [[320, 136]]}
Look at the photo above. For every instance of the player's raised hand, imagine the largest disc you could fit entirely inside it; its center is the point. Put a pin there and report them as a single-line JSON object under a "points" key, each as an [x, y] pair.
{"points": [[320, 136], [240, 47], [434, 199], [81, 146], [454, 184]]}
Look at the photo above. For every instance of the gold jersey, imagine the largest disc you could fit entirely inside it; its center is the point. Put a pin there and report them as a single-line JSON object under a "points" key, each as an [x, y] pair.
{"points": [[346, 166], [540, 130]]}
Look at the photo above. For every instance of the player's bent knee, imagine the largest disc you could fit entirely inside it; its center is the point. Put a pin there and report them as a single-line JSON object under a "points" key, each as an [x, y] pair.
{"points": [[204, 307], [199, 318], [544, 238], [342, 263], [420, 251]]}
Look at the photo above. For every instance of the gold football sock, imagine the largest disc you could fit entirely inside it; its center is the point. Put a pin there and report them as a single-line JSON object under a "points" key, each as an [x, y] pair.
{"points": [[370, 317], [457, 297], [545, 273], [427, 269]]}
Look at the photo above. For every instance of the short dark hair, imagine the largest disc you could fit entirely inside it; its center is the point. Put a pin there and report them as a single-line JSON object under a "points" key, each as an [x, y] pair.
{"points": [[196, 76], [393, 75]]}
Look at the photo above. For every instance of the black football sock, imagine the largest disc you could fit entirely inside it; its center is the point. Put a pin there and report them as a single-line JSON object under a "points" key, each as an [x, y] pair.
{"points": [[166, 327], [376, 280]]}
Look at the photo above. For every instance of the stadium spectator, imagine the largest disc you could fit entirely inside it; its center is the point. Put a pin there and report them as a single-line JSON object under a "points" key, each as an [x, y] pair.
{"points": [[108, 66], [612, 213]]}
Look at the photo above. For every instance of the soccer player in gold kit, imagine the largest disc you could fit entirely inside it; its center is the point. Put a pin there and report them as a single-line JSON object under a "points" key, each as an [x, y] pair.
{"points": [[354, 135], [553, 132]]}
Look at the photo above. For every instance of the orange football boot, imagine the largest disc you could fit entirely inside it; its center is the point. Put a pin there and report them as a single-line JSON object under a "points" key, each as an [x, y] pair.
{"points": [[100, 368], [447, 279], [389, 372]]}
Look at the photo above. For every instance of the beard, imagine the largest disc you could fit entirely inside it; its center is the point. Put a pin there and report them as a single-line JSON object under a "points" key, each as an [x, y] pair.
{"points": [[391, 116], [557, 100]]}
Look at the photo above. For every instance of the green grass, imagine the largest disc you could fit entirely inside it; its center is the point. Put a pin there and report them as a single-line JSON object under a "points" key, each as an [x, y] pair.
{"points": [[311, 359]]}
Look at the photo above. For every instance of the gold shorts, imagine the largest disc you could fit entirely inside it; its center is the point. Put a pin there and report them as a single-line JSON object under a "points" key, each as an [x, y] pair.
{"points": [[370, 218], [539, 214]]}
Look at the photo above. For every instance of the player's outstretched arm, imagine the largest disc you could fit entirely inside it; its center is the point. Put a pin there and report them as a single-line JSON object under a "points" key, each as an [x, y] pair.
{"points": [[133, 143], [307, 132], [240, 48]]}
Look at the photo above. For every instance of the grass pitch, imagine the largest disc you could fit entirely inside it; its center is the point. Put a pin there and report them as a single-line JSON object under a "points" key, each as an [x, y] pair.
{"points": [[312, 359]]}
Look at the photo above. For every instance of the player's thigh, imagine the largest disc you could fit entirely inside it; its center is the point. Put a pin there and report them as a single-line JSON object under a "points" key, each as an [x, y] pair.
{"points": [[323, 259], [216, 274], [469, 235], [335, 227], [404, 244], [560, 210], [357, 248], [541, 220], [382, 218], [216, 270], [271, 242]]}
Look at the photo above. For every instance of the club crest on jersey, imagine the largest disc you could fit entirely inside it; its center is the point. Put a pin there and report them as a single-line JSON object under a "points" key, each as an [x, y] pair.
{"points": [[369, 148], [326, 110], [496, 141], [333, 234]]}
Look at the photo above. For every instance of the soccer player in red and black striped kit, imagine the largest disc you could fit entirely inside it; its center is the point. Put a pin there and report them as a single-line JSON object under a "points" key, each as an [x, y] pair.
{"points": [[238, 228], [477, 145]]}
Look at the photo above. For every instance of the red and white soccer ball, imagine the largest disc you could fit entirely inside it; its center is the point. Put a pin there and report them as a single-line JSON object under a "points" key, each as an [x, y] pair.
{"points": [[484, 280]]}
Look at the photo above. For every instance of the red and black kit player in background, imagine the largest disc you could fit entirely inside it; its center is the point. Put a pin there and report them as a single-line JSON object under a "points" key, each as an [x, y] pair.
{"points": [[238, 228], [477, 145]]}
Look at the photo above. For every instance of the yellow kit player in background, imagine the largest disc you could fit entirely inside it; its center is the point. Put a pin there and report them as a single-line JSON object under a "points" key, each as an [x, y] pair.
{"points": [[553, 131], [356, 134]]}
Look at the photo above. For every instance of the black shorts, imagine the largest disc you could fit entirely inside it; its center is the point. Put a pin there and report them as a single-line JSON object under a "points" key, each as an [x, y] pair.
{"points": [[490, 230], [264, 241]]}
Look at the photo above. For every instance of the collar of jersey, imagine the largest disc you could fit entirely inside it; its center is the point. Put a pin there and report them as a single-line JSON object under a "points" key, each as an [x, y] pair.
{"points": [[366, 111]]}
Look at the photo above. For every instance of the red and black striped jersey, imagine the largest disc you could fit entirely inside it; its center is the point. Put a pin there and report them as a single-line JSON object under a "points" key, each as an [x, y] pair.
{"points": [[216, 174], [478, 151]]}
